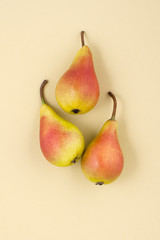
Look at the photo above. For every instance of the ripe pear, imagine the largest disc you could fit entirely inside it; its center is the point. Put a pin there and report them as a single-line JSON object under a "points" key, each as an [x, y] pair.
{"points": [[61, 142], [102, 161], [77, 91]]}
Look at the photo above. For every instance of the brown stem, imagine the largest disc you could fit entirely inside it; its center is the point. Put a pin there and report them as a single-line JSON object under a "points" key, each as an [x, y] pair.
{"points": [[114, 105], [82, 38], [42, 92]]}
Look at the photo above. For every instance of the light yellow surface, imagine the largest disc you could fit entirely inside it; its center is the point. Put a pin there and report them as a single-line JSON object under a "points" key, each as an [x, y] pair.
{"points": [[38, 41]]}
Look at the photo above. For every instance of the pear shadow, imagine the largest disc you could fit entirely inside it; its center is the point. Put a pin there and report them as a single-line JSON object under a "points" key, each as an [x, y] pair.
{"points": [[75, 172], [129, 153], [78, 177]]}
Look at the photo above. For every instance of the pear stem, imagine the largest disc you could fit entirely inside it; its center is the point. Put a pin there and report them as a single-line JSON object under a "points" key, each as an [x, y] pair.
{"points": [[82, 38], [114, 105], [42, 91]]}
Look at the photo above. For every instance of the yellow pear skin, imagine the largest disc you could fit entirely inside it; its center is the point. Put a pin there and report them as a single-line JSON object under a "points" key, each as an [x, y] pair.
{"points": [[77, 91], [61, 142], [102, 161]]}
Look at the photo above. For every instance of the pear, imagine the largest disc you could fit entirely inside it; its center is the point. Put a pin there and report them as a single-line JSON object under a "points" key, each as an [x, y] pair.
{"points": [[102, 161], [61, 142], [77, 91]]}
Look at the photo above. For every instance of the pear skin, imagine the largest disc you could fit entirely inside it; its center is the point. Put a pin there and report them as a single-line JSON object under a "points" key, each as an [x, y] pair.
{"points": [[61, 142], [102, 161], [77, 91]]}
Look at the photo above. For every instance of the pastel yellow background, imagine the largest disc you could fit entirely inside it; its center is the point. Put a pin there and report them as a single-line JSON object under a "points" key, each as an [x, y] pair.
{"points": [[38, 40]]}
